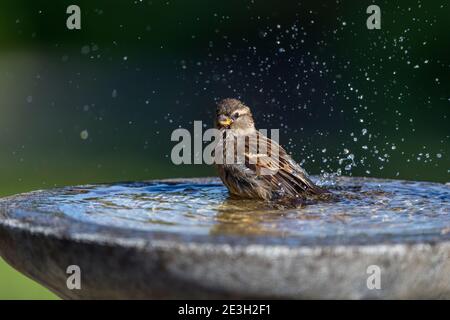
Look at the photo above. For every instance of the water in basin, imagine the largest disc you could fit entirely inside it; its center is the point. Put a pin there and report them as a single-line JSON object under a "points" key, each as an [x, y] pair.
{"points": [[368, 210]]}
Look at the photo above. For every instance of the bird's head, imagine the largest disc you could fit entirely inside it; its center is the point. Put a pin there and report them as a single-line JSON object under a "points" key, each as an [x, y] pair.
{"points": [[233, 114]]}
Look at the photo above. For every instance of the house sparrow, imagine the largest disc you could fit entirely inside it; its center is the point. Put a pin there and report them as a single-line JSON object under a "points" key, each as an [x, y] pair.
{"points": [[258, 175]]}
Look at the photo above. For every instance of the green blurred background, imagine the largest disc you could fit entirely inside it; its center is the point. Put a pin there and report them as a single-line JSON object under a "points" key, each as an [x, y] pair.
{"points": [[99, 104]]}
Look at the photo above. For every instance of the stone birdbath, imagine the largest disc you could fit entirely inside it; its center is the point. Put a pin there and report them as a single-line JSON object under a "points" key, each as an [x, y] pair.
{"points": [[186, 239]]}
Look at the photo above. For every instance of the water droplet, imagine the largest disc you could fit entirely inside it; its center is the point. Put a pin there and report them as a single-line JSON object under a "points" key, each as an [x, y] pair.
{"points": [[84, 134]]}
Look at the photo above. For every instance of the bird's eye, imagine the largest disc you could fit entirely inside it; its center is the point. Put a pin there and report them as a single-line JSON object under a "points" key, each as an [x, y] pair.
{"points": [[236, 115]]}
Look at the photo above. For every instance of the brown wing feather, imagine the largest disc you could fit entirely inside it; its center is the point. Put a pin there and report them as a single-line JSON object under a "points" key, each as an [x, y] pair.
{"points": [[286, 175]]}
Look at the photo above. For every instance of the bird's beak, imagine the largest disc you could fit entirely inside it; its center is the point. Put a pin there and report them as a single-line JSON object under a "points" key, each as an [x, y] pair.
{"points": [[224, 120]]}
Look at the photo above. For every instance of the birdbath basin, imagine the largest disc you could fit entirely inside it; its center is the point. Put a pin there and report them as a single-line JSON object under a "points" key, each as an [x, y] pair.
{"points": [[186, 238]]}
